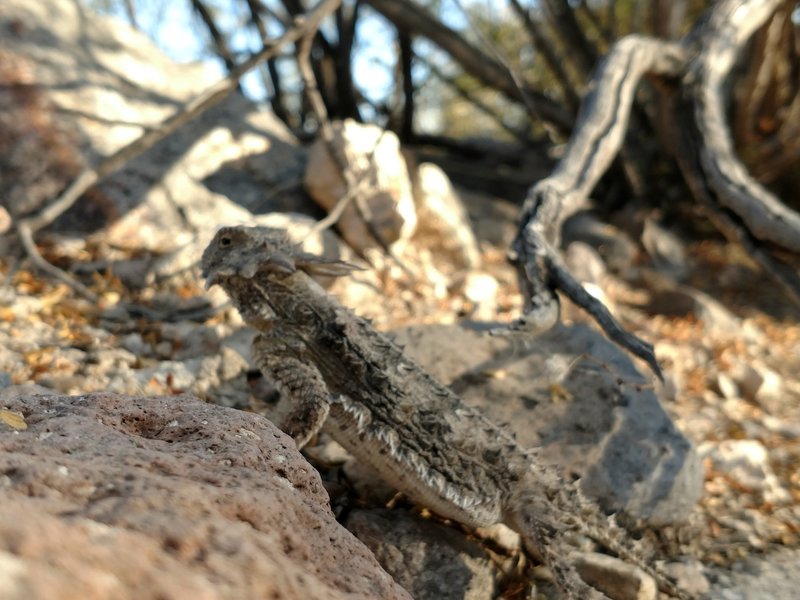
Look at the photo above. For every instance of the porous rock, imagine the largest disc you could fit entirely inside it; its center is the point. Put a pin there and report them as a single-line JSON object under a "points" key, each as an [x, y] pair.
{"points": [[577, 396], [166, 497]]}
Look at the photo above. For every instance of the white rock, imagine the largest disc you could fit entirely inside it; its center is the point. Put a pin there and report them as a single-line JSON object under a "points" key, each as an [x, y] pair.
{"points": [[481, 290], [771, 387], [747, 378], [374, 156], [443, 216], [689, 576], [5, 220], [747, 462], [726, 386]]}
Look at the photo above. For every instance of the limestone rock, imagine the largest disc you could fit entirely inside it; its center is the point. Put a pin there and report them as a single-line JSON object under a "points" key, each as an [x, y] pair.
{"points": [[374, 156], [167, 497], [575, 394]]}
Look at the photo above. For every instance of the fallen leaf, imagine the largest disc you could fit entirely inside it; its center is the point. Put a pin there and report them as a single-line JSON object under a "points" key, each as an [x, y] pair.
{"points": [[14, 420]]}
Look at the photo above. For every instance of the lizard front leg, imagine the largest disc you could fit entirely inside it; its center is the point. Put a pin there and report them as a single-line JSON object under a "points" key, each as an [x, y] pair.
{"points": [[280, 358]]}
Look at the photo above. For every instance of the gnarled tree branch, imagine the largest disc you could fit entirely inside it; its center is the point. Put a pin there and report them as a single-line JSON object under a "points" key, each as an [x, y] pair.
{"points": [[742, 209]]}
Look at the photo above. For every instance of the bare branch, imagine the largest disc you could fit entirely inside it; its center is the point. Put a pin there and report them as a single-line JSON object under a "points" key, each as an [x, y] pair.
{"points": [[732, 23], [276, 99], [409, 16], [216, 36], [406, 58], [598, 137], [549, 55], [563, 20]]}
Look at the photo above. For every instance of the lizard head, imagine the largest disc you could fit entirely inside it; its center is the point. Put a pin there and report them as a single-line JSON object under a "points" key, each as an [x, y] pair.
{"points": [[240, 253]]}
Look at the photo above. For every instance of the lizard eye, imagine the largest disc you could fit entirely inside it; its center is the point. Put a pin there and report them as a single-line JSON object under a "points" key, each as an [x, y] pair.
{"points": [[225, 241]]}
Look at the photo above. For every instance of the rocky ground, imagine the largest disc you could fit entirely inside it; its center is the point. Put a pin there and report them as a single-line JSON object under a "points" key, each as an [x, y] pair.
{"points": [[730, 388], [137, 461]]}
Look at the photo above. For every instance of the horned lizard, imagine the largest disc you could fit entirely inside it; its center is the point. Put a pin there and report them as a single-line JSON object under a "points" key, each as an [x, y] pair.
{"points": [[388, 412]]}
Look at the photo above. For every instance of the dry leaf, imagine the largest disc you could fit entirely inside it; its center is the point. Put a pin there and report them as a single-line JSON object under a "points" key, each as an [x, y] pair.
{"points": [[14, 420]]}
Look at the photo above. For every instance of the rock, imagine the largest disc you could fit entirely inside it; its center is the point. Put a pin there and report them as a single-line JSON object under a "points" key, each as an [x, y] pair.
{"points": [[167, 497], [614, 577], [747, 462], [431, 561], [689, 576], [563, 393], [5, 221], [772, 576], [374, 156], [481, 289], [613, 245], [367, 483], [442, 216], [665, 250], [726, 386], [670, 299], [585, 263], [772, 389], [79, 66], [748, 379]]}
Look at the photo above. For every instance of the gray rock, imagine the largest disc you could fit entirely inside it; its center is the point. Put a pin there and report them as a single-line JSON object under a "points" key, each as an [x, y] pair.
{"points": [[431, 561], [772, 576], [615, 247], [665, 250], [578, 397]]}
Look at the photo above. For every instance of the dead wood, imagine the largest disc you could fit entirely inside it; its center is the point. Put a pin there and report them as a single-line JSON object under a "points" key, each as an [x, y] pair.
{"points": [[731, 25], [742, 209]]}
